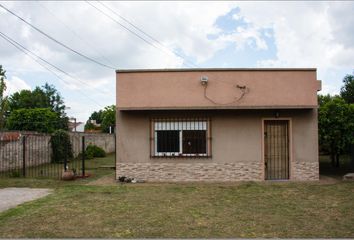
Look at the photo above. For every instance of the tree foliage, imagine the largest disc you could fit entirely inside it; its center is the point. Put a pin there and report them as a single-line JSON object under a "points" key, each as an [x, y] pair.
{"points": [[336, 126], [41, 97], [323, 99], [38, 119], [3, 98], [61, 146], [106, 118], [97, 116], [109, 118], [347, 91]]}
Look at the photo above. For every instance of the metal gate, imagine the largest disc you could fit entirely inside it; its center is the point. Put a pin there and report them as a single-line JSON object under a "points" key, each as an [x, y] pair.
{"points": [[31, 155], [276, 149]]}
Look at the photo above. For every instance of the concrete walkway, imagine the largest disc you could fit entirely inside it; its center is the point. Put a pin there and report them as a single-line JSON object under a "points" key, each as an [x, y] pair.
{"points": [[11, 197]]}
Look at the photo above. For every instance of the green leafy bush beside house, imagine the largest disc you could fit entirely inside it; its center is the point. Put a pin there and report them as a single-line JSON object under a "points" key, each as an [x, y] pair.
{"points": [[61, 146]]}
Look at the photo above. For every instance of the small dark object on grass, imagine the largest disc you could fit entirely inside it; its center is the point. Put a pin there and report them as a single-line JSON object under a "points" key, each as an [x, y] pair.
{"points": [[125, 179], [121, 179]]}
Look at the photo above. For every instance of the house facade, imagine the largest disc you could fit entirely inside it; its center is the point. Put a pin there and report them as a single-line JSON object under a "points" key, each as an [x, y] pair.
{"points": [[217, 124]]}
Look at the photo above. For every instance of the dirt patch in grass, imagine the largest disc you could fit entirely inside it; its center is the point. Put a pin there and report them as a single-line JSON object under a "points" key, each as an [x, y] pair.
{"points": [[328, 180], [108, 180], [187, 210]]}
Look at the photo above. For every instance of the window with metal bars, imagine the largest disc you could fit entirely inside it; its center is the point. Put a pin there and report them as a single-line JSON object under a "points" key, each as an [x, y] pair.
{"points": [[180, 137]]}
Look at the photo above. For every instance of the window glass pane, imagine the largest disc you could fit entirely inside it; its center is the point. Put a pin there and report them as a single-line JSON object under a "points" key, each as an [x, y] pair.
{"points": [[194, 141], [167, 141]]}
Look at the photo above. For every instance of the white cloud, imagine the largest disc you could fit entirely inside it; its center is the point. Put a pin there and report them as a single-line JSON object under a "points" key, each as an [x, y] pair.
{"points": [[179, 26], [246, 37], [15, 84], [305, 34]]}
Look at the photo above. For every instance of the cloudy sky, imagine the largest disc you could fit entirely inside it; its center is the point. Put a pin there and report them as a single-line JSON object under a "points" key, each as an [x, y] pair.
{"points": [[125, 35]]}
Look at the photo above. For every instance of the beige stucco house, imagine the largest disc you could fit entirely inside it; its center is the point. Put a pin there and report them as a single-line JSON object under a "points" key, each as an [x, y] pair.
{"points": [[217, 124]]}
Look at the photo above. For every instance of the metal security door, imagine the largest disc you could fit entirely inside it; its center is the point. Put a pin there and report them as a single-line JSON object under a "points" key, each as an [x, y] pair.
{"points": [[276, 149]]}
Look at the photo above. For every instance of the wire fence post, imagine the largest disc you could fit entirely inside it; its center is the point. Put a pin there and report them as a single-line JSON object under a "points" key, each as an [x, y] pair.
{"points": [[65, 154], [83, 156], [24, 156], [115, 153]]}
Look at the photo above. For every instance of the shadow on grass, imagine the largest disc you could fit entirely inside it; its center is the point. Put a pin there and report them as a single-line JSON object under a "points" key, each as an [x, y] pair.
{"points": [[328, 170]]}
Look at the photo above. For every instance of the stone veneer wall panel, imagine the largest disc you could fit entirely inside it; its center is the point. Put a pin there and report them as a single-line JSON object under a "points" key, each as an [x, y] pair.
{"points": [[305, 171], [190, 172]]}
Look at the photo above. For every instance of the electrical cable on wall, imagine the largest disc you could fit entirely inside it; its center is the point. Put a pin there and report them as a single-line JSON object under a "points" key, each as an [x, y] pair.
{"points": [[243, 89]]}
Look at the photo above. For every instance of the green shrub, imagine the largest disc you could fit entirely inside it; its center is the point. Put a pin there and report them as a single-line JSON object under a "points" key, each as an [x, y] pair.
{"points": [[88, 155], [15, 174], [61, 146], [94, 151]]}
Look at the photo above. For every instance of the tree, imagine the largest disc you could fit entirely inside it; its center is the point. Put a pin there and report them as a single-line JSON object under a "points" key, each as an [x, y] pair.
{"points": [[98, 117], [336, 127], [323, 99], [56, 103], [105, 117], [41, 97], [54, 99], [347, 91], [37, 119], [3, 98], [109, 118]]}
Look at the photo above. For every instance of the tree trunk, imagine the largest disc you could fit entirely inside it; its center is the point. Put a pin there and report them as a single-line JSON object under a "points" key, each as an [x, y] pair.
{"points": [[352, 156], [337, 160], [333, 159]]}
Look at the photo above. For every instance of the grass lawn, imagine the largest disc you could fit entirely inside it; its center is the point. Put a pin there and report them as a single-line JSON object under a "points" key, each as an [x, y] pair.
{"points": [[269, 209]]}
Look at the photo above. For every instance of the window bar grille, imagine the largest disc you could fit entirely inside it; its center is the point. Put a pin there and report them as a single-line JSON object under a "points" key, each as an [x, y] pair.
{"points": [[180, 137]]}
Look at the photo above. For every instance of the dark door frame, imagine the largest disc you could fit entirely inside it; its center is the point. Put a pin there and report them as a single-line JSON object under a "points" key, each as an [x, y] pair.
{"points": [[290, 149]]}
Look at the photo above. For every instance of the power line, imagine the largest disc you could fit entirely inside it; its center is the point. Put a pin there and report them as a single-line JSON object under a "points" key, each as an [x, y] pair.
{"points": [[146, 34], [74, 32], [56, 41], [26, 51], [131, 31], [121, 24], [19, 48], [47, 62]]}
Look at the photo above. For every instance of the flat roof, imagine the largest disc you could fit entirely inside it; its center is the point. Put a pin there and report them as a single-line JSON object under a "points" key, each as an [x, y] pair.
{"points": [[211, 69], [283, 107]]}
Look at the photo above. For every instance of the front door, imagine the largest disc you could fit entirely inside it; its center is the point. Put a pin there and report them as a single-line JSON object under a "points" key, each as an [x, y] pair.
{"points": [[276, 149]]}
